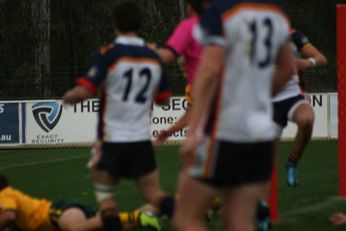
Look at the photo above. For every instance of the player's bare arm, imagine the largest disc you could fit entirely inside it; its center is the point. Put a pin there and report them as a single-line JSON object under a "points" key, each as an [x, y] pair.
{"points": [[210, 67], [311, 57], [166, 55], [181, 123], [284, 67], [6, 218], [76, 94]]}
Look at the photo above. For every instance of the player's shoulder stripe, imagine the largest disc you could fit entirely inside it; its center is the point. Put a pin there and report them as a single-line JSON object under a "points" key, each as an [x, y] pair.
{"points": [[254, 6], [292, 30], [136, 60], [139, 60], [104, 49]]}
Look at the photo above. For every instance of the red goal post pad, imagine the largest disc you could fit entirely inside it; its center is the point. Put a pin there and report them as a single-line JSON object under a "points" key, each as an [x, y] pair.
{"points": [[341, 62]]}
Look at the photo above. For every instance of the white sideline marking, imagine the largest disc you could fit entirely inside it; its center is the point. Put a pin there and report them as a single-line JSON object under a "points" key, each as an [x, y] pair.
{"points": [[315, 207], [41, 162]]}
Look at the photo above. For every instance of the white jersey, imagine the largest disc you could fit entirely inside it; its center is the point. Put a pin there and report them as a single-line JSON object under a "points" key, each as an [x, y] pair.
{"points": [[129, 75], [289, 90], [252, 34], [292, 88]]}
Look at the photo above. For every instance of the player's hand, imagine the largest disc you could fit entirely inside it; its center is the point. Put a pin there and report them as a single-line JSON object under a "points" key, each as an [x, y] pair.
{"points": [[182, 65], [76, 94], [338, 219], [70, 97], [161, 138], [152, 46], [187, 150], [95, 154]]}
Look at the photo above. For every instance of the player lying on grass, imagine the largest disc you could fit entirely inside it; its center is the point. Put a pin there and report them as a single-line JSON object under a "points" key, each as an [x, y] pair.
{"points": [[29, 213]]}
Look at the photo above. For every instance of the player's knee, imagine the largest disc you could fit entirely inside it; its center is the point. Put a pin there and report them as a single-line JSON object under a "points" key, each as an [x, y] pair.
{"points": [[306, 123], [191, 223], [179, 223], [154, 197]]}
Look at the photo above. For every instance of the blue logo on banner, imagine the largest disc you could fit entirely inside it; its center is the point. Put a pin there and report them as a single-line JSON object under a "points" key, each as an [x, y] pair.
{"points": [[9, 120], [47, 114]]}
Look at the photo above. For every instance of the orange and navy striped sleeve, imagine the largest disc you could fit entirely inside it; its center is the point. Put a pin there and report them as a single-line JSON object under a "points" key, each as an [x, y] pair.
{"points": [[96, 72]]}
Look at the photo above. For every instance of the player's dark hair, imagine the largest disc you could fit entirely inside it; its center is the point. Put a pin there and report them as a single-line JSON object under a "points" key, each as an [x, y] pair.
{"points": [[3, 182], [197, 5], [126, 16]]}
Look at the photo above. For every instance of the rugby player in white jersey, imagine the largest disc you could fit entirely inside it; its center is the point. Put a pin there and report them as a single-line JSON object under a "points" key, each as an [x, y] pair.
{"points": [[230, 143], [292, 103], [129, 75]]}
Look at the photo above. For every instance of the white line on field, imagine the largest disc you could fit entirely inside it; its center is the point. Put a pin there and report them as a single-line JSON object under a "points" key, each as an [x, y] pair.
{"points": [[315, 207], [41, 162]]}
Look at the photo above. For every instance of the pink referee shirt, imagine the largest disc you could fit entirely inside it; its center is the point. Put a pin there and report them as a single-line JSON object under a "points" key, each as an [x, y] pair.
{"points": [[183, 43]]}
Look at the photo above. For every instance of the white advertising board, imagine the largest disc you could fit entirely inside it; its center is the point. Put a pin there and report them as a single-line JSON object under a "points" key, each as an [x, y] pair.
{"points": [[165, 116], [50, 122]]}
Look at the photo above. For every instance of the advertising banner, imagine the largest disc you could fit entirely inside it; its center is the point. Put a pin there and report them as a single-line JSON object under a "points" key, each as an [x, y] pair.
{"points": [[9, 121], [51, 122], [165, 116]]}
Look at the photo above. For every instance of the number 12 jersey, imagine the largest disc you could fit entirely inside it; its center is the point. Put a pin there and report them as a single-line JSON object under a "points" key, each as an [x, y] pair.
{"points": [[129, 75]]}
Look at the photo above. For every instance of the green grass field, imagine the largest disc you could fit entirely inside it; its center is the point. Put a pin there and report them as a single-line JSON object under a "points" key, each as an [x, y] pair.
{"points": [[59, 173]]}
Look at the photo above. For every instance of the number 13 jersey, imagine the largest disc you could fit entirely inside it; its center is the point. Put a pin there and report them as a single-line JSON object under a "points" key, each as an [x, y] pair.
{"points": [[252, 33]]}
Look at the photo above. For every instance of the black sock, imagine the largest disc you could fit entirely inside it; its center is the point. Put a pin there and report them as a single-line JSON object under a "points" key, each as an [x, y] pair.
{"points": [[263, 211], [111, 221], [167, 206], [293, 161]]}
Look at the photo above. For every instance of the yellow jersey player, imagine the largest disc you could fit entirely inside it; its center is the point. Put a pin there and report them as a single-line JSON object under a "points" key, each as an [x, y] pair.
{"points": [[29, 213]]}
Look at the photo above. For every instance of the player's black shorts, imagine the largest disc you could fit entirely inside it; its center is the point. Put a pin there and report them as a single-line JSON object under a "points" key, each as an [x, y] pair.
{"points": [[234, 164], [127, 160], [282, 109]]}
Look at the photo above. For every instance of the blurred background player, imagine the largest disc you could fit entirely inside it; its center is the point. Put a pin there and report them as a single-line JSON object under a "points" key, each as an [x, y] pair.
{"points": [[292, 103], [229, 146], [130, 75], [29, 213], [182, 46]]}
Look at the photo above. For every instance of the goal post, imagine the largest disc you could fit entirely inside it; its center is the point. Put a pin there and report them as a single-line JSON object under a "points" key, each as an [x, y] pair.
{"points": [[274, 195], [341, 63]]}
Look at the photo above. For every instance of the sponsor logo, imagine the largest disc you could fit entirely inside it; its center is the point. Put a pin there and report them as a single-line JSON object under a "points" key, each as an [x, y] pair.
{"points": [[47, 114]]}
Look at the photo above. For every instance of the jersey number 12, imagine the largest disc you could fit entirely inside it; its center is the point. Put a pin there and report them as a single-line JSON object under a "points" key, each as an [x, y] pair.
{"points": [[141, 94]]}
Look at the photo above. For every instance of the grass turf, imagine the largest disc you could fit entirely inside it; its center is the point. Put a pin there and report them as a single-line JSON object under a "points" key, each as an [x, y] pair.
{"points": [[59, 173]]}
